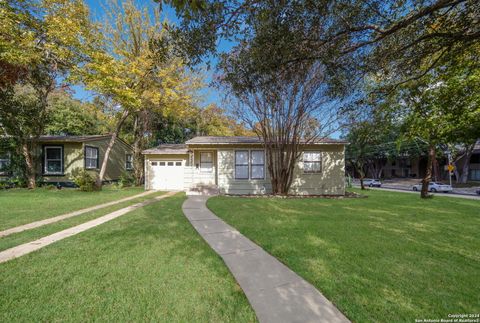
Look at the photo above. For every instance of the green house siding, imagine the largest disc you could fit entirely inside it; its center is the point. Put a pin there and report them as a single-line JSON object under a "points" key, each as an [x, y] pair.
{"points": [[74, 159], [117, 160]]}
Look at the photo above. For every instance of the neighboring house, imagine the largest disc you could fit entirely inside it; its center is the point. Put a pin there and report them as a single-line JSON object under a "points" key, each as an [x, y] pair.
{"points": [[474, 172], [237, 165], [59, 157]]}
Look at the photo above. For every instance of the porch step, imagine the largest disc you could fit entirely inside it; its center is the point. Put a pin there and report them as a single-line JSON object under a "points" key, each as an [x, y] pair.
{"points": [[203, 190]]}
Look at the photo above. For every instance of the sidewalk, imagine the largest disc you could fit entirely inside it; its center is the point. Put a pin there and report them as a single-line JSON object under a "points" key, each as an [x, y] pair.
{"points": [[276, 293], [26, 248]]}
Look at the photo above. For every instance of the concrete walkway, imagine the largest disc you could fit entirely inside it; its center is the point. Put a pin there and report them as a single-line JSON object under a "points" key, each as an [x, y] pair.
{"points": [[26, 248], [276, 293], [40, 223]]}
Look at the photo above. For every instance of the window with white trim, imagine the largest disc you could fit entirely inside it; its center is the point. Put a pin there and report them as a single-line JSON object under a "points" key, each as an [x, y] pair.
{"points": [[4, 162], [206, 162], [53, 162], [241, 164], [312, 162], [257, 162], [128, 161], [91, 157]]}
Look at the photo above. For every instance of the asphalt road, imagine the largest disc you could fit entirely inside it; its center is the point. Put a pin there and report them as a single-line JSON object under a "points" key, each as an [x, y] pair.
{"points": [[404, 190]]}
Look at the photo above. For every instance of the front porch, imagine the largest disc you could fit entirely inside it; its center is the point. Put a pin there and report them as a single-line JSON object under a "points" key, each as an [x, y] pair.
{"points": [[201, 172]]}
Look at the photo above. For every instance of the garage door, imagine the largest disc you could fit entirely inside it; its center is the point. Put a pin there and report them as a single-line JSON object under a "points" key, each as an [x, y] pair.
{"points": [[167, 174]]}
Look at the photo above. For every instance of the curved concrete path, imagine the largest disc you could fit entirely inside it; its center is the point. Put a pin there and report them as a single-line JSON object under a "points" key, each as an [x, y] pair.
{"points": [[28, 247], [36, 224], [276, 293]]}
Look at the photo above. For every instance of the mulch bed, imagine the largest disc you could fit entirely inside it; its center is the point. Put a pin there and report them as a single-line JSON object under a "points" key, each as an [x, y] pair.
{"points": [[325, 196]]}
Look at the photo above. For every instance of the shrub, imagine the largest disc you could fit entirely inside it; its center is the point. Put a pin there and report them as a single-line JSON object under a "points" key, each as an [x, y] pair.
{"points": [[126, 180], [84, 181]]}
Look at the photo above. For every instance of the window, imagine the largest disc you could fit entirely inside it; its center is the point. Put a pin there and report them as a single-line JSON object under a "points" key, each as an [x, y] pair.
{"points": [[475, 159], [91, 157], [474, 174], [155, 164], [241, 164], [128, 161], [162, 163], [312, 162], [4, 162], [178, 163], [53, 162], [257, 161], [206, 162], [170, 164]]}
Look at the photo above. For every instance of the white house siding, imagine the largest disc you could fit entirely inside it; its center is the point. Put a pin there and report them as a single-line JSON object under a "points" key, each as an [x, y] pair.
{"points": [[330, 181]]}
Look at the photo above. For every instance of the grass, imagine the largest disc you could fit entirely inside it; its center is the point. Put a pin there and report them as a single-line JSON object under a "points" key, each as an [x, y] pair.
{"points": [[33, 234], [148, 265], [391, 257], [21, 206]]}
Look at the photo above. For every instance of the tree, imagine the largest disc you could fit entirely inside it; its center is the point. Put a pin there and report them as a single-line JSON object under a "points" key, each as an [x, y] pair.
{"points": [[136, 71], [437, 111], [396, 37], [68, 116], [213, 121], [288, 111], [41, 41]]}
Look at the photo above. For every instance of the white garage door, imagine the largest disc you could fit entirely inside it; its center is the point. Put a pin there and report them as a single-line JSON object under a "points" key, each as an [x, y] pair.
{"points": [[167, 174]]}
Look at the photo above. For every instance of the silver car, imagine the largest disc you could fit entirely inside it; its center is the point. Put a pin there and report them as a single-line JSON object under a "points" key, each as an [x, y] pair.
{"points": [[434, 187], [372, 182]]}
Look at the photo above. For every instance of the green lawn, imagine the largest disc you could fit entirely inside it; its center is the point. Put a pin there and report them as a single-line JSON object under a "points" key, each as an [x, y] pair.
{"points": [[33, 234], [148, 265], [390, 257], [21, 206]]}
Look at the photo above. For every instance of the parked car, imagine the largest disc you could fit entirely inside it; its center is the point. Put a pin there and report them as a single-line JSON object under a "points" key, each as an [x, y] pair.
{"points": [[372, 182], [478, 191], [434, 187]]}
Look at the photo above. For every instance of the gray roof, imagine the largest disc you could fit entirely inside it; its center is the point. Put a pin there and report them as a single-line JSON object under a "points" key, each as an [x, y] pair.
{"points": [[249, 140], [47, 138], [168, 149]]}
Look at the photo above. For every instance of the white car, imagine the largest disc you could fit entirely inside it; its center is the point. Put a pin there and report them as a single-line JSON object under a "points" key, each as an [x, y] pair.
{"points": [[434, 187], [372, 182]]}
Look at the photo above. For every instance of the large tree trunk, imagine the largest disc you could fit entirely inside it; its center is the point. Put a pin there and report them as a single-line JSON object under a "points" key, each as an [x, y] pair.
{"points": [[30, 165], [466, 165], [137, 151], [428, 174], [359, 166], [103, 169]]}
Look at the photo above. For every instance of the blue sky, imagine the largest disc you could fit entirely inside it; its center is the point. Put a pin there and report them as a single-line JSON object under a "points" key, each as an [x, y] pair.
{"points": [[210, 94]]}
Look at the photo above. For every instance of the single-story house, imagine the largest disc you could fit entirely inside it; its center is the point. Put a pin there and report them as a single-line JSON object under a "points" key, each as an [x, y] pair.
{"points": [[59, 157], [237, 165]]}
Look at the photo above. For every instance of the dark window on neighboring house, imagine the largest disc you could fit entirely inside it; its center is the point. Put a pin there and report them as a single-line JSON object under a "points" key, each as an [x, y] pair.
{"points": [[474, 174], [128, 161], [91, 157], [312, 162], [241, 164], [53, 160], [257, 162], [4, 162], [475, 159]]}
